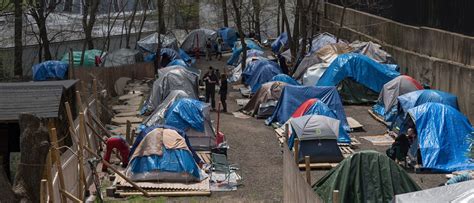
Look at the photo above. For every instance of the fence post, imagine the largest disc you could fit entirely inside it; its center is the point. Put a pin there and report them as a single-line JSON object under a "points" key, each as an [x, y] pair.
{"points": [[308, 169], [96, 97], [43, 191], [128, 136], [54, 141], [49, 165], [335, 196], [287, 133], [296, 147]]}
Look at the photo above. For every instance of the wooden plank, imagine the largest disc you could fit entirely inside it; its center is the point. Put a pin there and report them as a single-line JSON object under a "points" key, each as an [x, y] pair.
{"points": [[123, 120], [353, 123], [377, 118], [168, 194], [127, 114], [57, 159], [130, 96], [319, 165]]}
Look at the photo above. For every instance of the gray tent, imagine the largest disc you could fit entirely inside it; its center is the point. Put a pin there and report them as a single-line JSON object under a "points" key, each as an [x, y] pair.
{"points": [[196, 39], [169, 79], [150, 42], [122, 57], [307, 62], [158, 115], [373, 51], [313, 73], [203, 140], [330, 52], [399, 86], [318, 138], [265, 99], [454, 193]]}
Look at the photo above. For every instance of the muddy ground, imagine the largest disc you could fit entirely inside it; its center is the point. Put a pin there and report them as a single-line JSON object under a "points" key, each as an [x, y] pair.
{"points": [[255, 149]]}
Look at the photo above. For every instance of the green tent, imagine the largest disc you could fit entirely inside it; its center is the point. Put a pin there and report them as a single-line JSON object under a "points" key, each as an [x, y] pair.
{"points": [[89, 57], [366, 176]]}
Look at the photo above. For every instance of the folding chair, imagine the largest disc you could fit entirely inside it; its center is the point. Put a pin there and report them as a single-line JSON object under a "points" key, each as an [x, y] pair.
{"points": [[220, 164]]}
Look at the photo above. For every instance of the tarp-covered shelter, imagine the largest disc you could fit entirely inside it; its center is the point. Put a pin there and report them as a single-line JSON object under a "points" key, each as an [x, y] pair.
{"points": [[386, 106], [443, 135], [366, 176], [89, 57], [317, 107], [50, 70], [322, 40], [260, 72], [167, 55], [373, 51], [163, 153], [308, 61], [356, 68], [150, 42], [329, 52], [285, 78], [280, 44], [455, 193], [228, 36], [264, 101], [122, 57], [195, 41], [318, 138], [236, 72], [416, 98], [185, 57], [158, 115], [193, 117], [293, 96], [313, 74], [237, 51], [169, 79]]}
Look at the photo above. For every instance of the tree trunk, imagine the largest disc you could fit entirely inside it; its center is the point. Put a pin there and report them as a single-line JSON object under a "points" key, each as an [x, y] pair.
{"points": [[278, 21], [282, 3], [159, 29], [132, 19], [6, 191], [44, 38], [34, 146], [256, 12], [296, 32], [341, 23], [161, 21], [224, 13], [285, 20], [305, 7], [241, 33], [142, 22], [67, 6], [18, 59], [90, 11]]}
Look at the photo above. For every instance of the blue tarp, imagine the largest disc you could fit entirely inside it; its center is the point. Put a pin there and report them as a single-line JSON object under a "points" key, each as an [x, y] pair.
{"points": [[237, 49], [186, 113], [50, 70], [443, 137], [281, 41], [186, 58], [260, 72], [320, 108], [166, 54], [419, 97], [229, 36], [172, 160], [293, 96], [285, 78], [360, 68]]}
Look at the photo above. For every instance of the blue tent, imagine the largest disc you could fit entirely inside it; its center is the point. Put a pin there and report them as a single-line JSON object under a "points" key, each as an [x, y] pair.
{"points": [[293, 96], [260, 72], [167, 55], [237, 50], [172, 160], [361, 69], [281, 41], [186, 58], [50, 70], [229, 36], [320, 108], [186, 113], [443, 137], [285, 78], [419, 97]]}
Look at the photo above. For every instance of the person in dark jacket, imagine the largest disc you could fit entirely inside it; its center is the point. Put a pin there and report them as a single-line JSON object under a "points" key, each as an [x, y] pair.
{"points": [[223, 92], [210, 79]]}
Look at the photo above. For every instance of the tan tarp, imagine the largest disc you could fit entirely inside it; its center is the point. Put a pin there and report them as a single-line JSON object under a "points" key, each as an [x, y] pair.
{"points": [[330, 52], [268, 92], [152, 143]]}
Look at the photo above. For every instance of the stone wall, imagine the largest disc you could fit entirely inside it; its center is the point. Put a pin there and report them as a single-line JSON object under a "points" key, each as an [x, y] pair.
{"points": [[436, 57]]}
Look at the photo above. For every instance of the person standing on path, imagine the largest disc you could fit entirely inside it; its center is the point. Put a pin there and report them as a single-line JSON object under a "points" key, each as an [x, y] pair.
{"points": [[210, 79], [208, 49], [219, 49], [223, 92]]}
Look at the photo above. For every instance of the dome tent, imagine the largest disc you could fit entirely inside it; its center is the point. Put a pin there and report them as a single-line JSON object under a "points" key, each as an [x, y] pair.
{"points": [[150, 42], [263, 103], [228, 36], [259, 72], [196, 40], [50, 70]]}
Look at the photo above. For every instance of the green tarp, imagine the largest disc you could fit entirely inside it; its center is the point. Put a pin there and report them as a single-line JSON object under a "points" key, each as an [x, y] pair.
{"points": [[89, 57], [366, 176]]}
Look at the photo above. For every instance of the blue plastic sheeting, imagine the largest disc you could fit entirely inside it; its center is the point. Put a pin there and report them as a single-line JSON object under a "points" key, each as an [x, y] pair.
{"points": [[170, 54], [360, 68], [419, 97], [255, 53], [234, 59], [229, 36], [177, 160], [186, 113], [178, 62], [320, 41], [281, 41], [285, 78], [50, 70], [260, 72], [443, 137], [293, 96], [320, 108], [186, 58]]}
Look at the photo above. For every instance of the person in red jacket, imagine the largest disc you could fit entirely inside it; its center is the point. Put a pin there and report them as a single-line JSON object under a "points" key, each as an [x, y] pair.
{"points": [[119, 143]]}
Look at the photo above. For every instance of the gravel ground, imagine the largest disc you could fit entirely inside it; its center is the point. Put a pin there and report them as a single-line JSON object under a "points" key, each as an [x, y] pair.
{"points": [[254, 147]]}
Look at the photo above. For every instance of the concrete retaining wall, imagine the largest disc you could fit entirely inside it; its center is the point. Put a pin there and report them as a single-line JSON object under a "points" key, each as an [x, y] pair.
{"points": [[436, 57]]}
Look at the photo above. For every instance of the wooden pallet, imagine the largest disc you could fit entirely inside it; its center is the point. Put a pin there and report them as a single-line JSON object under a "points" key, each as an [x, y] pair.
{"points": [[122, 193], [377, 118], [319, 165], [205, 156], [279, 132]]}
